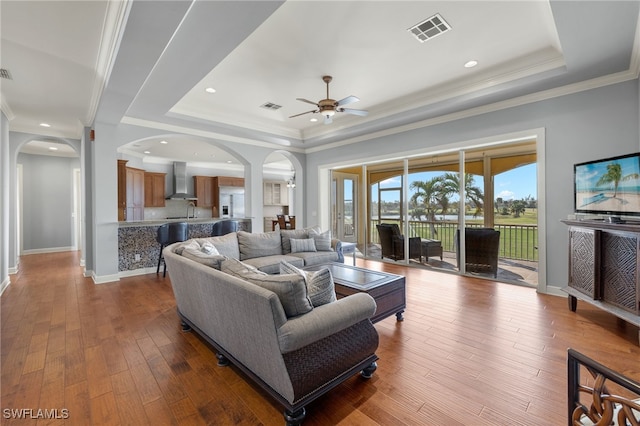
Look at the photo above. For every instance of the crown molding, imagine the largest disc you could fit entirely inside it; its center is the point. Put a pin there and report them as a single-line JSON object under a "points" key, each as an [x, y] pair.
{"points": [[6, 109], [114, 20]]}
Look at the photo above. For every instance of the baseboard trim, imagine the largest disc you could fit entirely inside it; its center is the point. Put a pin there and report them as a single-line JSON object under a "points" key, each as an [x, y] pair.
{"points": [[136, 272], [14, 270], [103, 279], [4, 285], [47, 250], [554, 291]]}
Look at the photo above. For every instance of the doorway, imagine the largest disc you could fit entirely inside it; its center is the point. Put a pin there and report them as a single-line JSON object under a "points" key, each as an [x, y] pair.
{"points": [[344, 214]]}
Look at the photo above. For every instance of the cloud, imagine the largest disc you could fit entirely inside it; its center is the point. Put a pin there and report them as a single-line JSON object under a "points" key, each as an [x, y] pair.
{"points": [[506, 195], [393, 180]]}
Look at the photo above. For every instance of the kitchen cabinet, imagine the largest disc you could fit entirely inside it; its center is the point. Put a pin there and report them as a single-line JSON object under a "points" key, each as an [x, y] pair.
{"points": [[275, 193], [221, 182], [229, 181], [203, 190], [207, 189], [135, 194], [122, 190], [154, 189]]}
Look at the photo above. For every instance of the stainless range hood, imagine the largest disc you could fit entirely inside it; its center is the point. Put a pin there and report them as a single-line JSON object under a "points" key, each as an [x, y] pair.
{"points": [[180, 183]]}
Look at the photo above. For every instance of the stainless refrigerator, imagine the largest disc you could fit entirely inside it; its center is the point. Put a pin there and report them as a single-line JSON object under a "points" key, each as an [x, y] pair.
{"points": [[231, 201]]}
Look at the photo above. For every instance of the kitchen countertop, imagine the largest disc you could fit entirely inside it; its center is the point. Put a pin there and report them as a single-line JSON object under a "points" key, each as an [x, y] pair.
{"points": [[197, 220]]}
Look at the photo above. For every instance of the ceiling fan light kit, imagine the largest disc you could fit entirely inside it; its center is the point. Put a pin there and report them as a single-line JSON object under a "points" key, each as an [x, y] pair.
{"points": [[328, 107]]}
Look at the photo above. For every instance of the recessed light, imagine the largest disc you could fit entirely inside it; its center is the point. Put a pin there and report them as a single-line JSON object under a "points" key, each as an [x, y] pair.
{"points": [[313, 120], [147, 152], [471, 64], [229, 161], [53, 148], [210, 90], [45, 125], [164, 142]]}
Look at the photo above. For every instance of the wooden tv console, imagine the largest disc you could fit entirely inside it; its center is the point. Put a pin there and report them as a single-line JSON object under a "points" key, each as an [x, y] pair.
{"points": [[604, 261]]}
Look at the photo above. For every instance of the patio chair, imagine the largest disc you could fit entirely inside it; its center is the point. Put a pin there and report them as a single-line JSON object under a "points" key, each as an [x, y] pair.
{"points": [[481, 250], [392, 242]]}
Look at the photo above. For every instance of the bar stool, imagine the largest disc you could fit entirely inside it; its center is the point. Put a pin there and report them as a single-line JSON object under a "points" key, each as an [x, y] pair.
{"points": [[170, 233], [224, 227]]}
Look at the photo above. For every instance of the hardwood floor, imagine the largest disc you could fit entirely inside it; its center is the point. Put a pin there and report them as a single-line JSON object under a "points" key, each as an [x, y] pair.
{"points": [[469, 352]]}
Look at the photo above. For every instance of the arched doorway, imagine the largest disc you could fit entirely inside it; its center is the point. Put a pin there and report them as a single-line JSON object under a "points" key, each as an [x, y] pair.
{"points": [[49, 197]]}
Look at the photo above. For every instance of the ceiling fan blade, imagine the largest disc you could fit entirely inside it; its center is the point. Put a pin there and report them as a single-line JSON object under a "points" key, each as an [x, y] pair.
{"points": [[307, 101], [328, 119], [347, 100], [303, 113], [354, 111]]}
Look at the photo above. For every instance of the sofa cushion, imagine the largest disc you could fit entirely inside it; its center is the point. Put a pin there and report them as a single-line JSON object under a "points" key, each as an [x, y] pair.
{"points": [[271, 264], [302, 244], [291, 289], [259, 244], [320, 286], [211, 260], [191, 244], [317, 257], [227, 245], [287, 234], [322, 240]]}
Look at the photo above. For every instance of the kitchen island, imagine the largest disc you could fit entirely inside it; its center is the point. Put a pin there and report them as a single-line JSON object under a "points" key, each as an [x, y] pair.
{"points": [[138, 250]]}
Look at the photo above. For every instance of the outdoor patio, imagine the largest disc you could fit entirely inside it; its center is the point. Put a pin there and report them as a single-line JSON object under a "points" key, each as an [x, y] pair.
{"points": [[517, 271]]}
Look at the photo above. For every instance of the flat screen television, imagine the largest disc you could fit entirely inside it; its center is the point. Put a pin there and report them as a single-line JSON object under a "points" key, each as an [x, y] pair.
{"points": [[609, 186]]}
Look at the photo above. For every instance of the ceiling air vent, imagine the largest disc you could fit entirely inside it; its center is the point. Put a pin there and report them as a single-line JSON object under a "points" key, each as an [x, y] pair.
{"points": [[430, 28], [271, 106], [4, 73]]}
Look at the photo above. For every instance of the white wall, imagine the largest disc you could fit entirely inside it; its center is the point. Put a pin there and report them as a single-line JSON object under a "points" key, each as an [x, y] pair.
{"points": [[579, 127], [4, 202]]}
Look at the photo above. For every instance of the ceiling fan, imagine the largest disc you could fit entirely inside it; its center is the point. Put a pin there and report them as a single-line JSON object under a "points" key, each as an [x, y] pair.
{"points": [[328, 107]]}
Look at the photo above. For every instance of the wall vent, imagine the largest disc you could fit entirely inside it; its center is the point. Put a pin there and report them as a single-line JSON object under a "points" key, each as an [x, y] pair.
{"points": [[271, 106], [429, 28], [4, 73]]}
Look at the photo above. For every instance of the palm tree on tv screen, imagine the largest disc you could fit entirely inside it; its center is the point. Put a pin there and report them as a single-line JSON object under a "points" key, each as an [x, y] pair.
{"points": [[614, 175]]}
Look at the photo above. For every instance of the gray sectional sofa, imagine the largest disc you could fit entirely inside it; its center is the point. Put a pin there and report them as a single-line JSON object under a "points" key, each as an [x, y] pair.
{"points": [[265, 250], [264, 323]]}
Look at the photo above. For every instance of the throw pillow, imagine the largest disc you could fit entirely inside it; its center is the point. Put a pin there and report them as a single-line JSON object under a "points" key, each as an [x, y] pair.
{"points": [[322, 240], [209, 248], [288, 234], [259, 244], [320, 286], [190, 244], [291, 289], [302, 245]]}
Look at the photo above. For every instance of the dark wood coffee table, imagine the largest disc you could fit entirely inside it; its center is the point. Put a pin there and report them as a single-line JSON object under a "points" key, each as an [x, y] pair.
{"points": [[388, 290]]}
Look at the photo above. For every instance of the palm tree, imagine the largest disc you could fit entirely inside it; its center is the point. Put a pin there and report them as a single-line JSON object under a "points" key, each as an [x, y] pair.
{"points": [[472, 193], [614, 174], [426, 194]]}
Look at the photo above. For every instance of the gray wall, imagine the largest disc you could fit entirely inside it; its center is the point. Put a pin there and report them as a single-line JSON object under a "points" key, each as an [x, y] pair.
{"points": [[47, 201], [579, 127]]}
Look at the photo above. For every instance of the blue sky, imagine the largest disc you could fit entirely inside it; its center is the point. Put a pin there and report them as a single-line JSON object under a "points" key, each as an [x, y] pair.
{"points": [[512, 185]]}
